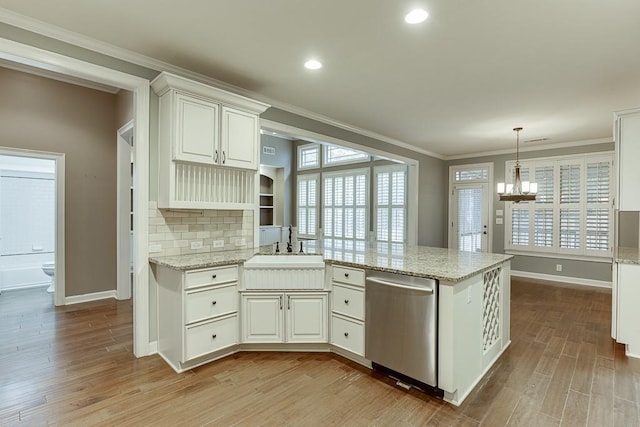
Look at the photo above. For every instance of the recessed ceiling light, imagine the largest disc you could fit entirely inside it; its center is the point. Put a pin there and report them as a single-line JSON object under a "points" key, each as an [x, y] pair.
{"points": [[416, 16], [313, 64]]}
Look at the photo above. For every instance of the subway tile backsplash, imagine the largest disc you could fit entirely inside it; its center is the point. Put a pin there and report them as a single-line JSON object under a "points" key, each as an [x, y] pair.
{"points": [[172, 232]]}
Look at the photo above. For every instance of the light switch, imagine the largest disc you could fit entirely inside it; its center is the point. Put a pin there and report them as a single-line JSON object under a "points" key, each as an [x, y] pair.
{"points": [[499, 212], [499, 221]]}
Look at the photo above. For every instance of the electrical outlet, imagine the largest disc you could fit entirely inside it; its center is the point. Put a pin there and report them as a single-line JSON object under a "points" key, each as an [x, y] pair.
{"points": [[155, 247], [558, 267], [499, 221], [218, 243], [196, 244], [241, 241]]}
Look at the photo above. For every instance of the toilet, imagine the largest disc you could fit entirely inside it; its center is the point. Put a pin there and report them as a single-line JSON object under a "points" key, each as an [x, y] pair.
{"points": [[49, 269]]}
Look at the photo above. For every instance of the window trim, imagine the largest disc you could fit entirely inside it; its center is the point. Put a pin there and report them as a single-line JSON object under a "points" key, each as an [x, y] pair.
{"points": [[555, 251], [325, 158], [303, 147]]}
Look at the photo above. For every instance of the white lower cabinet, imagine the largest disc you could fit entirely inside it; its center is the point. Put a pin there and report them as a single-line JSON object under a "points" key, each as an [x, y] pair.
{"points": [[628, 316], [347, 334], [278, 317], [198, 314], [347, 309]]}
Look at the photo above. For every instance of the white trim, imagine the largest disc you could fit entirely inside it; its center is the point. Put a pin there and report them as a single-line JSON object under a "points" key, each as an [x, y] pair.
{"points": [[534, 148], [83, 41], [59, 257], [123, 268], [96, 296], [30, 55], [562, 279], [303, 147], [489, 182]]}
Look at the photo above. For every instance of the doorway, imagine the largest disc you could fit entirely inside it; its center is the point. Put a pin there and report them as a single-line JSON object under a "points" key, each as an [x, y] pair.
{"points": [[32, 221], [65, 65], [470, 207]]}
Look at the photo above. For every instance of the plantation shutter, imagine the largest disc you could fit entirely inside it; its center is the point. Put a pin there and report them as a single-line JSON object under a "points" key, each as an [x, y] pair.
{"points": [[598, 188]]}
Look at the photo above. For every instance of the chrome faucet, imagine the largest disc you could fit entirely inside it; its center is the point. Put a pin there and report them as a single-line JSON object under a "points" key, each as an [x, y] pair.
{"points": [[289, 245]]}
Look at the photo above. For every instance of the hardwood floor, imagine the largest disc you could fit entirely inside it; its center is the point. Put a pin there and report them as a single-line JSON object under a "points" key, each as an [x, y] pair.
{"points": [[74, 366]]}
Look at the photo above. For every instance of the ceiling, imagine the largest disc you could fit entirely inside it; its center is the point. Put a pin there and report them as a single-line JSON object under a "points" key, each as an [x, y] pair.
{"points": [[456, 84]]}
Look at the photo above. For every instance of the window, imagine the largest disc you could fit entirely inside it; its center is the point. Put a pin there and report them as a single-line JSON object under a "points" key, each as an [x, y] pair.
{"points": [[572, 214], [345, 204], [390, 203], [307, 205], [308, 156], [334, 155]]}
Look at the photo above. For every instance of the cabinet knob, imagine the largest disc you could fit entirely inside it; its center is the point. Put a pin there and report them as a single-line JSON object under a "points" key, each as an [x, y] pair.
{"points": [[214, 336], [213, 276], [346, 301], [214, 302], [346, 334], [346, 275]]}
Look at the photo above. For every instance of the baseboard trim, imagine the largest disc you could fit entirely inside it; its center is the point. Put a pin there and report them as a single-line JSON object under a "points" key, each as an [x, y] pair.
{"points": [[96, 296], [562, 279]]}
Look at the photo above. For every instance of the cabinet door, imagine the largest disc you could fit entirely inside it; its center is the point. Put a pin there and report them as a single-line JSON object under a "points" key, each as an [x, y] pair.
{"points": [[239, 143], [628, 153], [263, 318], [628, 296], [196, 130], [307, 317]]}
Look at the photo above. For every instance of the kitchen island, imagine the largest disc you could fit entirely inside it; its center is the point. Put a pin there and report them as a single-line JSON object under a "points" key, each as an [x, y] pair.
{"points": [[473, 300]]}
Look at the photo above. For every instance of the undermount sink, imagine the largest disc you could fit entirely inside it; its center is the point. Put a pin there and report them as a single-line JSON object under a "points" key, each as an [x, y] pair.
{"points": [[271, 272], [285, 261]]}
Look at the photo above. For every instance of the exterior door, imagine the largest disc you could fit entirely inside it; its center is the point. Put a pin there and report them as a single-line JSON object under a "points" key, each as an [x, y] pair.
{"points": [[470, 220]]}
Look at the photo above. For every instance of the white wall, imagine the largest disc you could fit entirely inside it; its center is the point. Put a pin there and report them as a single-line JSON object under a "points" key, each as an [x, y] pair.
{"points": [[27, 220]]}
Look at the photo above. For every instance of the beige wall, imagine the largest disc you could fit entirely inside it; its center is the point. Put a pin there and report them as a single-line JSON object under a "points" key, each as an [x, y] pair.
{"points": [[47, 115], [124, 108]]}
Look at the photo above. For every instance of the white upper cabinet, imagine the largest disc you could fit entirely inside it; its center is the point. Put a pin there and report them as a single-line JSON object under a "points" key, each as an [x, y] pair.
{"points": [[208, 145], [197, 130], [627, 136], [240, 139]]}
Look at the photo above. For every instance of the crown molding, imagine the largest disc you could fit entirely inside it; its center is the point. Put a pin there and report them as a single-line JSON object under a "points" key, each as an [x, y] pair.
{"points": [[48, 30], [535, 148], [42, 72]]}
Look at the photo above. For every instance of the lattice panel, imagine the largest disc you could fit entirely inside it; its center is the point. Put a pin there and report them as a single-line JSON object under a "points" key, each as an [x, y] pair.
{"points": [[491, 308]]}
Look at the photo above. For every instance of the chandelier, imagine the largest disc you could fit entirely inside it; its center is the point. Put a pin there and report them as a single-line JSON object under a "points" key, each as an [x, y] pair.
{"points": [[519, 191]]}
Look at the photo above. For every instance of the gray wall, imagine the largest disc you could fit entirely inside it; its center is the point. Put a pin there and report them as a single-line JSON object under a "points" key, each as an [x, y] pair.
{"points": [[124, 107], [432, 201], [570, 268], [47, 115], [283, 158], [629, 229]]}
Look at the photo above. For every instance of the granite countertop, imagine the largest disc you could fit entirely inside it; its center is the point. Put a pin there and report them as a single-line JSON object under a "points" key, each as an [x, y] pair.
{"points": [[627, 255], [422, 261]]}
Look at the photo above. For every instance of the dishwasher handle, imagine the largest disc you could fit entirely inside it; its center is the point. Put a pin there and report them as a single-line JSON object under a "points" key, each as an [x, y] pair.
{"points": [[397, 285]]}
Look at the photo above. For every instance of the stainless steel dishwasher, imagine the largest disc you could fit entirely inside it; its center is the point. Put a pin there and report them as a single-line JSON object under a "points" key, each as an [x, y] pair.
{"points": [[402, 328]]}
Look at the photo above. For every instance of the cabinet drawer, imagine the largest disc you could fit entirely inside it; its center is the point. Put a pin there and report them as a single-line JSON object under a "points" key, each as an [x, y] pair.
{"points": [[348, 301], [211, 276], [211, 336], [347, 334], [201, 304], [352, 276]]}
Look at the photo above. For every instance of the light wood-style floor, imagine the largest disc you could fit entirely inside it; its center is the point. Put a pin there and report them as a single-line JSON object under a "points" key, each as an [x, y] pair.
{"points": [[74, 366]]}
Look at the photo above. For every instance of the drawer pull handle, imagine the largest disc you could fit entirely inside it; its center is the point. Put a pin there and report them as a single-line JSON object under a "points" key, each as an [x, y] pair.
{"points": [[213, 276], [346, 275], [346, 334], [214, 336], [346, 301], [214, 302]]}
